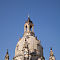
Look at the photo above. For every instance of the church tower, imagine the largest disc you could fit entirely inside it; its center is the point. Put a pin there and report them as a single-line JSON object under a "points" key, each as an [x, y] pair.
{"points": [[52, 57], [7, 55], [28, 27], [29, 47]]}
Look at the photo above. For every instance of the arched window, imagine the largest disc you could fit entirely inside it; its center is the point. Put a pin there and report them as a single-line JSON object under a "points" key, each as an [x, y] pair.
{"points": [[26, 27], [30, 28]]}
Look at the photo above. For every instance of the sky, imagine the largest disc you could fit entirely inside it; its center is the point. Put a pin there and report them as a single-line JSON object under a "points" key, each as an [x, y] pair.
{"points": [[45, 15]]}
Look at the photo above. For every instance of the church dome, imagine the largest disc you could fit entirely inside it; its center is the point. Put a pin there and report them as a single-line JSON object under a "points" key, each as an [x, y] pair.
{"points": [[28, 46]]}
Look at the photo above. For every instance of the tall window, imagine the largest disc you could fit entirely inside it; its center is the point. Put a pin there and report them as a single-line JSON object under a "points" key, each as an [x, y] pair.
{"points": [[26, 28], [31, 28]]}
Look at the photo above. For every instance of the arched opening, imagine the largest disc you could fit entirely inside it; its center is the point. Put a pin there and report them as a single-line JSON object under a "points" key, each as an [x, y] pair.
{"points": [[26, 27], [30, 28]]}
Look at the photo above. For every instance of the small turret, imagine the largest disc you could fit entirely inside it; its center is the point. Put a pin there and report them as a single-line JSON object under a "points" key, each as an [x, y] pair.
{"points": [[51, 52], [52, 57], [7, 55], [29, 27]]}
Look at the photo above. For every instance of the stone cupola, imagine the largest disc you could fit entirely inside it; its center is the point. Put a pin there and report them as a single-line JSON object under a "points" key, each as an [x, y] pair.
{"points": [[29, 27]]}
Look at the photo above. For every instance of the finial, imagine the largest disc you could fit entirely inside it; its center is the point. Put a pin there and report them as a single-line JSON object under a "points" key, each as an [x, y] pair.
{"points": [[7, 51], [50, 48], [28, 18], [28, 15]]}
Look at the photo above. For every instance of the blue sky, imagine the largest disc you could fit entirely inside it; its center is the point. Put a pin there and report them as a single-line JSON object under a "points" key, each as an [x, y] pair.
{"points": [[45, 15]]}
